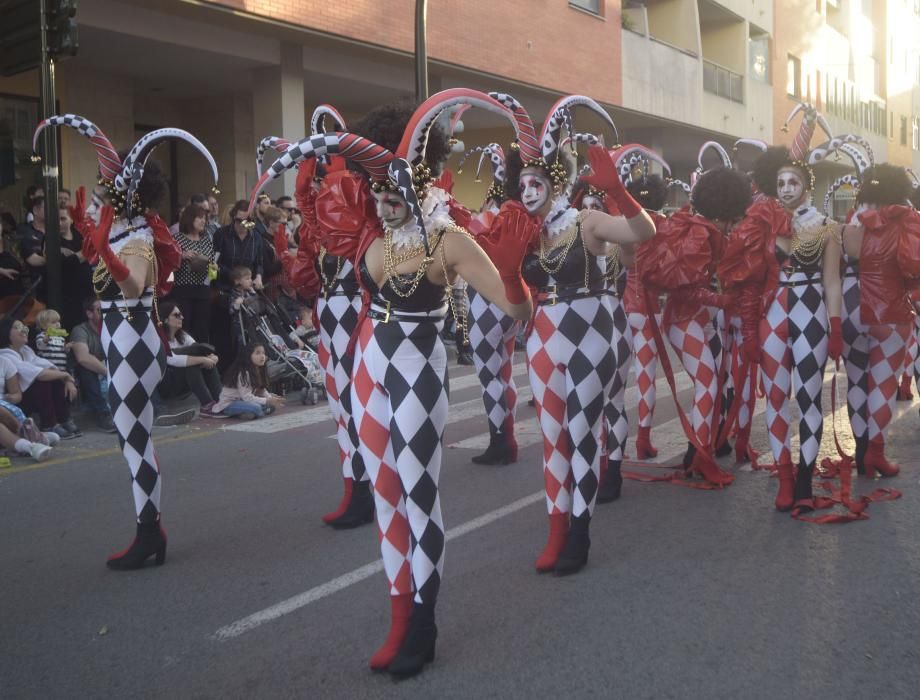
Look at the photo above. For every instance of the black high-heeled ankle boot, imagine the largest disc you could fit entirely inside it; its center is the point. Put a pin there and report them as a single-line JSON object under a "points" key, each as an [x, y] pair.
{"points": [[360, 510], [149, 541], [417, 648], [689, 455], [496, 451], [575, 552], [612, 484], [859, 456], [804, 498]]}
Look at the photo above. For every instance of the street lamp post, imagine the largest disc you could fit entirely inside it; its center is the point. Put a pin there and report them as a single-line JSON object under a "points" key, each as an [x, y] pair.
{"points": [[421, 50], [50, 171]]}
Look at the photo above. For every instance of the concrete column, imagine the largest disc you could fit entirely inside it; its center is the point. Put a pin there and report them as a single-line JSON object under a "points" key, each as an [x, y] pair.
{"points": [[278, 107]]}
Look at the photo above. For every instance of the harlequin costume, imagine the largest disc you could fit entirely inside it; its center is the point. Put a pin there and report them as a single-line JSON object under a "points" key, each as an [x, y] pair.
{"points": [[796, 330], [878, 317], [399, 380], [570, 358], [135, 352], [492, 333]]}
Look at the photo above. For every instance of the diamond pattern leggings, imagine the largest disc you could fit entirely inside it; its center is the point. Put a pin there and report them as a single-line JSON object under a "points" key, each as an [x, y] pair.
{"points": [[794, 340], [645, 353], [136, 363], [616, 422], [400, 403], [874, 357], [338, 316], [570, 363], [492, 334]]}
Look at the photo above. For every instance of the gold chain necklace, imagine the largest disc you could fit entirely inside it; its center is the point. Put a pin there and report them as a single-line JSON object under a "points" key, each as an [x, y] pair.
{"points": [[552, 268], [402, 288], [807, 251]]}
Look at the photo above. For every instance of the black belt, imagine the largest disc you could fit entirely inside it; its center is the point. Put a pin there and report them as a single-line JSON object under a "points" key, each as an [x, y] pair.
{"points": [[553, 294], [342, 292], [143, 303], [812, 277], [387, 314]]}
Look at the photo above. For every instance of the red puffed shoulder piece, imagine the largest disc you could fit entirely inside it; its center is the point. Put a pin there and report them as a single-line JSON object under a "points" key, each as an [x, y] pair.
{"points": [[744, 257], [167, 250], [343, 208], [690, 237], [909, 244], [459, 213]]}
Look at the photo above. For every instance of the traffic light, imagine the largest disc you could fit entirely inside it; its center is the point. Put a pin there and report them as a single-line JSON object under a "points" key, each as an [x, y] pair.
{"points": [[61, 28]]}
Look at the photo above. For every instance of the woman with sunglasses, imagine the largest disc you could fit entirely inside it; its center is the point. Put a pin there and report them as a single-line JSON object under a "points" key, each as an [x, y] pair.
{"points": [[186, 368]]}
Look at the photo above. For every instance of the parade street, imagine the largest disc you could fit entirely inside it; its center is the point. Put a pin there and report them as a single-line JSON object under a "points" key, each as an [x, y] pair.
{"points": [[687, 594]]}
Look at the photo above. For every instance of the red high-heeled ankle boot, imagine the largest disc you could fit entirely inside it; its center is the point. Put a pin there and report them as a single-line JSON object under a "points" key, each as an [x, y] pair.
{"points": [[558, 530], [401, 611]]}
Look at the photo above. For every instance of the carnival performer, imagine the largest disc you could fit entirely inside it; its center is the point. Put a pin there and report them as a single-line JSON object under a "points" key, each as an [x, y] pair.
{"points": [[684, 263], [409, 254], [570, 358], [784, 265], [136, 256], [492, 332], [881, 251]]}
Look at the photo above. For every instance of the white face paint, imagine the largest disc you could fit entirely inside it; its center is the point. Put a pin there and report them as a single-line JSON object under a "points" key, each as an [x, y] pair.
{"points": [[536, 189], [790, 187], [592, 203], [391, 208]]}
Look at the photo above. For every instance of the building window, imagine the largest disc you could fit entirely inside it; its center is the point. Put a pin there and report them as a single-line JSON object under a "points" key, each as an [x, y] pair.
{"points": [[595, 7], [759, 58], [794, 76], [903, 131], [916, 135], [723, 82]]}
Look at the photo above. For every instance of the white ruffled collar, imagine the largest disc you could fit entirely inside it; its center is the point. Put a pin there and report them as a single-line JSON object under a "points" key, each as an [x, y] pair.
{"points": [[435, 214], [806, 217], [561, 217]]}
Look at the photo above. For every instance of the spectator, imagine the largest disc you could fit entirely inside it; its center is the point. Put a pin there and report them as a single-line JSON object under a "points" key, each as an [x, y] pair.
{"points": [[76, 273], [271, 218], [63, 198], [213, 216], [10, 239], [13, 422], [10, 269], [33, 192], [195, 200], [236, 245], [245, 392], [32, 245], [186, 368], [51, 340], [243, 284], [89, 364], [192, 288], [46, 390]]}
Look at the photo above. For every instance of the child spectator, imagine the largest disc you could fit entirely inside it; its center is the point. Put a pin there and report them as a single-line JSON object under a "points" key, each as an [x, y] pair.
{"points": [[243, 289], [51, 341], [245, 392], [305, 332]]}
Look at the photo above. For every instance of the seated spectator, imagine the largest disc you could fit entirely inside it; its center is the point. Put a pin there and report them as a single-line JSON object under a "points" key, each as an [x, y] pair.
{"points": [[89, 364], [10, 267], [245, 393], [32, 245], [243, 289], [46, 390], [305, 334], [192, 286], [236, 245], [18, 433], [51, 340], [187, 370]]}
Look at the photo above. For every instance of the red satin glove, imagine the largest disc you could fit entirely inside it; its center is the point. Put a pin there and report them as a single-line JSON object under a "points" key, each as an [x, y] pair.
{"points": [[605, 177], [506, 246], [835, 340], [281, 241], [78, 210], [748, 307], [100, 236]]}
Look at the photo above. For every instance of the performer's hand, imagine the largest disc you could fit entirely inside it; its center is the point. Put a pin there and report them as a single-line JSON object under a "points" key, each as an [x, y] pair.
{"points": [[605, 177], [835, 339], [78, 209], [507, 246], [100, 236]]}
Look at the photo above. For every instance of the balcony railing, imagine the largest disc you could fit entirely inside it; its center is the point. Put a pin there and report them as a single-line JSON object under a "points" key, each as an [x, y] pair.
{"points": [[723, 82]]}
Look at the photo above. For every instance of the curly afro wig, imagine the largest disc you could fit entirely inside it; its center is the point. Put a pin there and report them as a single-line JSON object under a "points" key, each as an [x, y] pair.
{"points": [[767, 166], [884, 184], [153, 186], [722, 194], [650, 191], [386, 124]]}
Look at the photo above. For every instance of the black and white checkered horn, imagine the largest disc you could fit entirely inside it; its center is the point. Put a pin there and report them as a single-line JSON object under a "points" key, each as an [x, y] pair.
{"points": [[627, 157], [496, 156], [109, 162], [400, 174], [560, 117], [133, 168], [276, 143], [848, 180]]}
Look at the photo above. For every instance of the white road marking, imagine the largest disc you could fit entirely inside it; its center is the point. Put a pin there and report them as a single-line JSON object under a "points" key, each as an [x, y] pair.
{"points": [[285, 607]]}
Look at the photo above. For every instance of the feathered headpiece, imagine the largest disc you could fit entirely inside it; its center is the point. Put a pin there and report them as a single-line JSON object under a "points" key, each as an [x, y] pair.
{"points": [[121, 179]]}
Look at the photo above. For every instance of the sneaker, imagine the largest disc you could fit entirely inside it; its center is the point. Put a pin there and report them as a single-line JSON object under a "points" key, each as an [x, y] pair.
{"points": [[51, 439], [62, 432], [168, 418], [105, 424], [207, 411], [72, 427], [39, 452]]}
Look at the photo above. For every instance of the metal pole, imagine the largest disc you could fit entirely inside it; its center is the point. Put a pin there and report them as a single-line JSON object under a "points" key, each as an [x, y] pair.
{"points": [[421, 50], [50, 173]]}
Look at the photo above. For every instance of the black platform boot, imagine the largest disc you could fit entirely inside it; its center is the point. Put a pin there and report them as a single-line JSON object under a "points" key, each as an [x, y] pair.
{"points": [[360, 510], [862, 446], [417, 648], [575, 552], [150, 541], [612, 483], [495, 452], [689, 455]]}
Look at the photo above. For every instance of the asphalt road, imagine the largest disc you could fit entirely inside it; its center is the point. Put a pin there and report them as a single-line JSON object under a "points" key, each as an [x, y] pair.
{"points": [[687, 594]]}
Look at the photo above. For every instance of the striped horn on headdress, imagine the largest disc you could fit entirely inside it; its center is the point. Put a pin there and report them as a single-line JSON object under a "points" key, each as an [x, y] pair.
{"points": [[801, 144], [318, 120], [560, 115], [845, 180], [109, 162]]}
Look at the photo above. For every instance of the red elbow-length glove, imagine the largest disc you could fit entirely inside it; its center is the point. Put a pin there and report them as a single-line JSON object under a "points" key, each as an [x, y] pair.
{"points": [[835, 339], [605, 177], [506, 245], [100, 236]]}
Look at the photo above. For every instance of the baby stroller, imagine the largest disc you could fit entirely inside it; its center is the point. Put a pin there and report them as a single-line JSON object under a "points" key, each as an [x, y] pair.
{"points": [[289, 368]]}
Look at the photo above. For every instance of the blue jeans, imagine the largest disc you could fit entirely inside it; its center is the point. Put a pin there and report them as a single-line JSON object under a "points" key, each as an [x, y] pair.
{"points": [[94, 390], [237, 407]]}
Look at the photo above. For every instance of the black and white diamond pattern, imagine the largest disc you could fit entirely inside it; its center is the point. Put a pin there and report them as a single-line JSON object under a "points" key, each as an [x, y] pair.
{"points": [[492, 333], [615, 417]]}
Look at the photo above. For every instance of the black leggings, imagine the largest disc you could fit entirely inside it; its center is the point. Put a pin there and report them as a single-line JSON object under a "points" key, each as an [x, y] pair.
{"points": [[204, 383]]}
